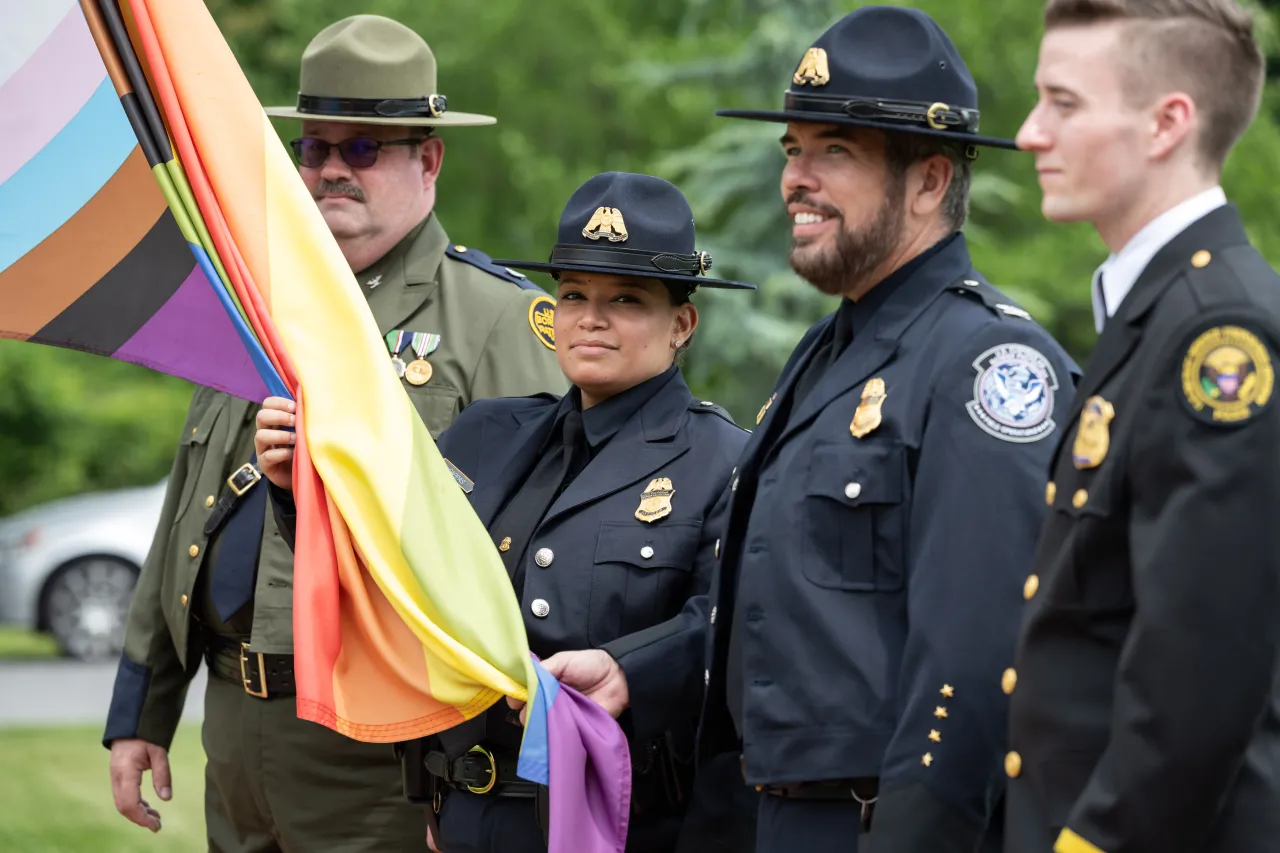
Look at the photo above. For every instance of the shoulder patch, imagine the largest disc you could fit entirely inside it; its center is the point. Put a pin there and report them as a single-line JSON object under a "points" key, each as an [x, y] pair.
{"points": [[542, 319], [464, 482], [1013, 393], [1227, 375], [480, 260], [989, 296], [706, 406]]}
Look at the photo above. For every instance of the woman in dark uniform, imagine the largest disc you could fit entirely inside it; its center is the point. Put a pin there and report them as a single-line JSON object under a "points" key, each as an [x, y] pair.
{"points": [[605, 505]]}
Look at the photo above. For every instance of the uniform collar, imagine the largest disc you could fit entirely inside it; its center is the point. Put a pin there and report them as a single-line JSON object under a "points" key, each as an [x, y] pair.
{"points": [[399, 282], [1115, 278], [857, 314], [602, 421]]}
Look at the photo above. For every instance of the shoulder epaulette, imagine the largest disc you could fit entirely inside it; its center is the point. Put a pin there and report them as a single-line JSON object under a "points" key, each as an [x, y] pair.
{"points": [[709, 407], [480, 260], [989, 296]]}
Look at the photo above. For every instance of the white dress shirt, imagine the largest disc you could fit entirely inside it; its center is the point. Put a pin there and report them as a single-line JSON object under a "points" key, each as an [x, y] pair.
{"points": [[1115, 278]]}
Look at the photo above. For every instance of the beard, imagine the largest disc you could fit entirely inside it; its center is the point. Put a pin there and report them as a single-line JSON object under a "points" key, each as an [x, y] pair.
{"points": [[845, 268]]}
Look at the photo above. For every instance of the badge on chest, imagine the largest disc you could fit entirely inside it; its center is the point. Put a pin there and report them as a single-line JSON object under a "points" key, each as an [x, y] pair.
{"points": [[655, 501], [1093, 435], [866, 418]]}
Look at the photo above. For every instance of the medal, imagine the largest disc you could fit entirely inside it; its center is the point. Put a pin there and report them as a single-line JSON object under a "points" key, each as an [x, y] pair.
{"points": [[419, 370], [395, 343]]}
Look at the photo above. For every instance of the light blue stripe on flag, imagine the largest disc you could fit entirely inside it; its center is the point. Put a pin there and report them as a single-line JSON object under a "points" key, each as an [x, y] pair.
{"points": [[534, 762], [70, 170]]}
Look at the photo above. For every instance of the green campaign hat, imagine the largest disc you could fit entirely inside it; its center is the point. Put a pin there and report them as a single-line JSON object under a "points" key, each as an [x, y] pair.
{"points": [[368, 69]]}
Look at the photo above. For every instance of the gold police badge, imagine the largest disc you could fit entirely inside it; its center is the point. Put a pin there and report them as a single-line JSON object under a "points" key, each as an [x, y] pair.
{"points": [[606, 222], [542, 319], [1227, 376], [867, 416], [813, 70], [655, 501], [1093, 435]]}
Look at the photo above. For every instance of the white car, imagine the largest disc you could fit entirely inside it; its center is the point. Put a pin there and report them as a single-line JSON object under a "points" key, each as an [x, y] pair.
{"points": [[68, 567]]}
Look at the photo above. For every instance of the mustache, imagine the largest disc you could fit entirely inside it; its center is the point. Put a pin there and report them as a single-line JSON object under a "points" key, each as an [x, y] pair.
{"points": [[326, 187], [799, 197]]}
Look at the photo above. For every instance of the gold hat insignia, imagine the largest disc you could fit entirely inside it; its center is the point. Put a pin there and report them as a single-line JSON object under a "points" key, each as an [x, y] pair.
{"points": [[813, 70], [606, 222]]}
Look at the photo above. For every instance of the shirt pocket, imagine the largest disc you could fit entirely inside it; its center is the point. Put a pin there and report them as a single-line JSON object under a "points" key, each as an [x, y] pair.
{"points": [[640, 576], [437, 405], [853, 517], [195, 444]]}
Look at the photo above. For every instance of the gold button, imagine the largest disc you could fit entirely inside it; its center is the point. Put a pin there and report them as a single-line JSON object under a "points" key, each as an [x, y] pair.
{"points": [[1080, 498], [1201, 259], [194, 550], [208, 501], [1013, 765], [460, 249], [184, 601], [1009, 681], [194, 430], [1029, 588], [1050, 492]]}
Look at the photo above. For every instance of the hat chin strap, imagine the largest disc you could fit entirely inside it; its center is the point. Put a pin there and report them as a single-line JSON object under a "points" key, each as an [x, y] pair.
{"points": [[432, 106], [936, 116]]}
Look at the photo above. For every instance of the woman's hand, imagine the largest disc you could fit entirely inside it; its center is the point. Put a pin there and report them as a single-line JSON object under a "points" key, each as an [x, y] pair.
{"points": [[274, 443], [593, 673]]}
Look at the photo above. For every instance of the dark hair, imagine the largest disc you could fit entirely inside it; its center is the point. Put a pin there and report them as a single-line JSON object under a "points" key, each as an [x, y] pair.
{"points": [[902, 150], [1203, 47]]}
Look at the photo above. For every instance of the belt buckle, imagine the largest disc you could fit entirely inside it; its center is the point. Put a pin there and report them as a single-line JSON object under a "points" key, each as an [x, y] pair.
{"points": [[244, 471], [493, 770], [262, 672]]}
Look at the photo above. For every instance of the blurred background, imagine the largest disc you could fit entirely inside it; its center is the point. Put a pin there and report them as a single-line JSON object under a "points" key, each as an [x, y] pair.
{"points": [[578, 88]]}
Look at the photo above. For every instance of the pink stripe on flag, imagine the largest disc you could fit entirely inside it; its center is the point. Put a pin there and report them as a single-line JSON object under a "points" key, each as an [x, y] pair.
{"points": [[47, 91]]}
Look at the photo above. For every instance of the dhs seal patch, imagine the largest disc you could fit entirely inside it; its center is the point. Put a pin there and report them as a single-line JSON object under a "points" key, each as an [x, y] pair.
{"points": [[1013, 393]]}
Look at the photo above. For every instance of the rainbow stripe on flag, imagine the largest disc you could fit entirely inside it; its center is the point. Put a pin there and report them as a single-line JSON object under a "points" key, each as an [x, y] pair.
{"points": [[198, 252]]}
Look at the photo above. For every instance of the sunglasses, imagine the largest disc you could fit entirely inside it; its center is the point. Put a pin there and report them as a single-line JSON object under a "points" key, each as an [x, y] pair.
{"points": [[357, 152]]}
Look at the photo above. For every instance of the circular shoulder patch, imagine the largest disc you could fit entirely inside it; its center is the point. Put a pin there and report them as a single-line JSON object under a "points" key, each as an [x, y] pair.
{"points": [[1227, 376], [1013, 393], [542, 319]]}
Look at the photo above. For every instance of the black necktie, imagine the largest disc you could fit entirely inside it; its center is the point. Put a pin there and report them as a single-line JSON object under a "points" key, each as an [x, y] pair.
{"points": [[549, 478], [236, 568]]}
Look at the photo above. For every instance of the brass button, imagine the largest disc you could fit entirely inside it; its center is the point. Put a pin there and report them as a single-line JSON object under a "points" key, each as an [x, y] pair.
{"points": [[1201, 259], [1009, 681], [208, 501], [184, 601], [194, 550], [1080, 498], [1050, 492], [1013, 765], [460, 249], [1029, 588]]}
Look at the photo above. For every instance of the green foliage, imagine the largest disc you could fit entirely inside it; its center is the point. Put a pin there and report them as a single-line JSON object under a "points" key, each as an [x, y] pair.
{"points": [[580, 88]]}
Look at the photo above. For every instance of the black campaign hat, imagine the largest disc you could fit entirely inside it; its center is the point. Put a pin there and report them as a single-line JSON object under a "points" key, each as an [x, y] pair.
{"points": [[886, 67], [618, 223]]}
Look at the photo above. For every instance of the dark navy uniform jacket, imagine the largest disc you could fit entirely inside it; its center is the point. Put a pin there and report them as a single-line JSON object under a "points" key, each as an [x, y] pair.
{"points": [[870, 583], [1146, 713], [610, 580]]}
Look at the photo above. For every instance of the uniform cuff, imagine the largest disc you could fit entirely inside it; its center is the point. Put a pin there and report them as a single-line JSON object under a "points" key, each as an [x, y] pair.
{"points": [[125, 714], [1069, 842]]}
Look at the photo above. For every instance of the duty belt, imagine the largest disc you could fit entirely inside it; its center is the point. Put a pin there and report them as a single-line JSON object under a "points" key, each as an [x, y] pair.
{"points": [[864, 791], [264, 676], [481, 770]]}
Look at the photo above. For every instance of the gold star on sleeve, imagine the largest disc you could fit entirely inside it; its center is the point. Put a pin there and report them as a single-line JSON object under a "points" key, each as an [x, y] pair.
{"points": [[940, 712], [948, 691], [927, 760], [935, 736]]}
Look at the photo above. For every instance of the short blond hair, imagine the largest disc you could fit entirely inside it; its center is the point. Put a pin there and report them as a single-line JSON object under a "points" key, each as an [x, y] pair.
{"points": [[1205, 48]]}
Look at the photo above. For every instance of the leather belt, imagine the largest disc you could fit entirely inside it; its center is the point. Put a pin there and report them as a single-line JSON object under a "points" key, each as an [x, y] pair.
{"points": [[264, 676], [863, 790], [238, 485], [481, 770]]}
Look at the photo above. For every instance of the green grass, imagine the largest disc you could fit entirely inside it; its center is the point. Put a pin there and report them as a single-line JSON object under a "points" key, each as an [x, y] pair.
{"points": [[55, 795], [16, 643]]}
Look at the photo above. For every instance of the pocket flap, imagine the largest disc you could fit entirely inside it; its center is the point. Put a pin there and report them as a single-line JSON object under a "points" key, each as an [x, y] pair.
{"points": [[858, 474], [669, 545], [199, 434]]}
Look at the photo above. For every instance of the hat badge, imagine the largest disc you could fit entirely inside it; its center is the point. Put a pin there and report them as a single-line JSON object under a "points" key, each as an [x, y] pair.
{"points": [[606, 222], [813, 70]]}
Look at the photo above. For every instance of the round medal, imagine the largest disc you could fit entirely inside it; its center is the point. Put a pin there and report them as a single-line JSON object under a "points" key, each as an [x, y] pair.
{"points": [[418, 372], [398, 366]]}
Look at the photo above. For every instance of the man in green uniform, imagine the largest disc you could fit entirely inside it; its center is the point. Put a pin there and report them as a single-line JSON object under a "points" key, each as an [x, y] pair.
{"points": [[218, 582]]}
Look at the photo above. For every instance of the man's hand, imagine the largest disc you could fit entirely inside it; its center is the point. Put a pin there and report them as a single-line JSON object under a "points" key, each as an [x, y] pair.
{"points": [[129, 758], [595, 674], [273, 442]]}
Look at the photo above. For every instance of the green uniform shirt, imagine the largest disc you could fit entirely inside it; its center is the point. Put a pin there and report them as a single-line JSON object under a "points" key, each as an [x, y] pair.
{"points": [[494, 342]]}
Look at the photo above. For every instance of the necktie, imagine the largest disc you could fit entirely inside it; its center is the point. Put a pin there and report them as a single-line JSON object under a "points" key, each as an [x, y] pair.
{"points": [[236, 568]]}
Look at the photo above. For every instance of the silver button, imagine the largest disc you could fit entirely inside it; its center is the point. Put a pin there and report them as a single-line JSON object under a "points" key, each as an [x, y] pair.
{"points": [[540, 608], [646, 552], [970, 282], [852, 491], [717, 549], [707, 403], [514, 273], [706, 677], [543, 558], [734, 487], [713, 616]]}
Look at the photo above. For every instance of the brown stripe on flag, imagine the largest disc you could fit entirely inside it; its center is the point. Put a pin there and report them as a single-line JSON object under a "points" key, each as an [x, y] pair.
{"points": [[43, 282], [106, 48]]}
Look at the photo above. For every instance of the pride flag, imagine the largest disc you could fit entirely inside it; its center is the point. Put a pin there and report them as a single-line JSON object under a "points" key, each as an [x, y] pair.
{"points": [[150, 214]]}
